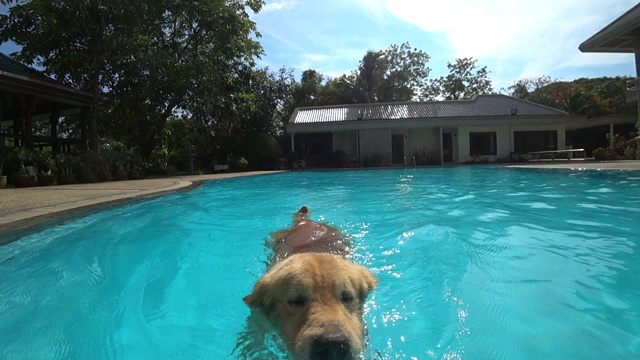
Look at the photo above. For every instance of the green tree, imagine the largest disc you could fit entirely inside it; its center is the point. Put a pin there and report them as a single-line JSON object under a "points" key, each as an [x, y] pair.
{"points": [[528, 88], [407, 72], [398, 73], [153, 59], [464, 81], [260, 102], [585, 96], [307, 92], [370, 80]]}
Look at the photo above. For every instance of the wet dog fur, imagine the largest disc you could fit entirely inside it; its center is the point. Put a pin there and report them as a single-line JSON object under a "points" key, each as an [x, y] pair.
{"points": [[312, 294]]}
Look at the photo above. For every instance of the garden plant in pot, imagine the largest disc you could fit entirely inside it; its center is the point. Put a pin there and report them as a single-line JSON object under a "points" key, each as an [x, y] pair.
{"points": [[103, 160], [66, 166], [47, 168], [88, 163], [26, 175]]}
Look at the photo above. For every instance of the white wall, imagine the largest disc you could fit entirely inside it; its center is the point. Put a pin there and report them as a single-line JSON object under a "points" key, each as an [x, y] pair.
{"points": [[375, 141], [424, 138]]}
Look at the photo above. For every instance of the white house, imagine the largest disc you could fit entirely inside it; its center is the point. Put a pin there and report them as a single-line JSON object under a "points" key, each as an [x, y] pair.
{"points": [[487, 127]]}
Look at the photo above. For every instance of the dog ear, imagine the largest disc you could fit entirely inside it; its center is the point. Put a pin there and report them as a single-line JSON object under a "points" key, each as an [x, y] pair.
{"points": [[258, 297], [368, 282]]}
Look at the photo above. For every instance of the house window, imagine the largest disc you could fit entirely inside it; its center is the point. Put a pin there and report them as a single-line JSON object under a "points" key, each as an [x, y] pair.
{"points": [[483, 143], [527, 141]]}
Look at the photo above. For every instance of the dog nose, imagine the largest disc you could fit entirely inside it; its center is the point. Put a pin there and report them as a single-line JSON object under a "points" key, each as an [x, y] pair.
{"points": [[332, 347]]}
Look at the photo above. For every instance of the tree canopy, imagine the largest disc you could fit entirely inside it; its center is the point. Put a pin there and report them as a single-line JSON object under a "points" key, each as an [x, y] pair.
{"points": [[584, 96], [464, 81]]}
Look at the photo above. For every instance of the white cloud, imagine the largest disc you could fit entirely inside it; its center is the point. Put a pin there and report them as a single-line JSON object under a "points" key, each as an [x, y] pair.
{"points": [[543, 34], [277, 5]]}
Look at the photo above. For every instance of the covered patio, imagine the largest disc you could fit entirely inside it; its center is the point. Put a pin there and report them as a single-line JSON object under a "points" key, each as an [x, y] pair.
{"points": [[32, 105]]}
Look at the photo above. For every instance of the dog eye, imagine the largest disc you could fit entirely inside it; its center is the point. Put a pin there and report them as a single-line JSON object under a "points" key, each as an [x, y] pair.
{"points": [[298, 301], [346, 297]]}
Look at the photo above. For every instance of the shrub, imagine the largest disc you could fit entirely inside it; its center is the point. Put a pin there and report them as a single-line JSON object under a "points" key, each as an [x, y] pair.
{"points": [[426, 157], [373, 160], [237, 163], [339, 159], [259, 148]]}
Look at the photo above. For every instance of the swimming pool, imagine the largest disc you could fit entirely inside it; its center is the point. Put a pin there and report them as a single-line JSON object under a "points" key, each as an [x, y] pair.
{"points": [[473, 263]]}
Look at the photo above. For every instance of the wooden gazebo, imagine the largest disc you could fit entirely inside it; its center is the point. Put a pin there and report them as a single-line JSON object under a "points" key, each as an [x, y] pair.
{"points": [[28, 95]]}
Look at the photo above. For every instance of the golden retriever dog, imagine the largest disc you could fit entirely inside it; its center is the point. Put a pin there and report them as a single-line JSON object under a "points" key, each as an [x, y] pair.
{"points": [[313, 295]]}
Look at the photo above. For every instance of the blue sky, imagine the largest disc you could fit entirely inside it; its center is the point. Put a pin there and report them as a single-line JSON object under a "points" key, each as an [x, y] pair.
{"points": [[513, 38]]}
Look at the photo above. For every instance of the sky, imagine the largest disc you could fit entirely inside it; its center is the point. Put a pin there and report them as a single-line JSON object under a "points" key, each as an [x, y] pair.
{"points": [[514, 39]]}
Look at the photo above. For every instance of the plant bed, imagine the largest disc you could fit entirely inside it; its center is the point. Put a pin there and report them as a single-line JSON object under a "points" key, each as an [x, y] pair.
{"points": [[103, 176], [88, 176], [23, 181], [67, 179], [120, 175], [46, 179]]}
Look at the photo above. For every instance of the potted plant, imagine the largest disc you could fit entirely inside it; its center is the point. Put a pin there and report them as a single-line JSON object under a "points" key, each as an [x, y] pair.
{"points": [[118, 163], [66, 165], [26, 175], [135, 172], [88, 164], [47, 168], [102, 161]]}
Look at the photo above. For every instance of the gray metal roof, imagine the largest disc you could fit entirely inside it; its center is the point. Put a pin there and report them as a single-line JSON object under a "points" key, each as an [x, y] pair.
{"points": [[9, 65], [479, 106]]}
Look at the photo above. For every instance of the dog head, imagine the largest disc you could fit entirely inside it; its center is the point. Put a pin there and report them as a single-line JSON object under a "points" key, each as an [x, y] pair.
{"points": [[315, 300]]}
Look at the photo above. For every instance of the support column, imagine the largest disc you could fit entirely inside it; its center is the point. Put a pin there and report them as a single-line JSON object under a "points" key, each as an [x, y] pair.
{"points": [[18, 129], [293, 144], [611, 135], [84, 136], [54, 120], [440, 145], [29, 109], [636, 84]]}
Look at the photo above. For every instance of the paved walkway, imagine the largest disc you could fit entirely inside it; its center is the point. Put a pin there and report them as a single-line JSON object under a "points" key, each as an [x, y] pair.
{"points": [[22, 208], [631, 165]]}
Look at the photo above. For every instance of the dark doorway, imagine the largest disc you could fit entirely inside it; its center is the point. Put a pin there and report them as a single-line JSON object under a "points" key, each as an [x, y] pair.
{"points": [[447, 147], [397, 148]]}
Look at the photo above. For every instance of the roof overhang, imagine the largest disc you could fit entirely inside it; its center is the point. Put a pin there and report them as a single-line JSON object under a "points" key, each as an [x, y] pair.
{"points": [[618, 37], [19, 84], [545, 120], [604, 120]]}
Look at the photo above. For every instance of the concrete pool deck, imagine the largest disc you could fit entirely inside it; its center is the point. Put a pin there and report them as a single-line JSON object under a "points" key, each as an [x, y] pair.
{"points": [[20, 209]]}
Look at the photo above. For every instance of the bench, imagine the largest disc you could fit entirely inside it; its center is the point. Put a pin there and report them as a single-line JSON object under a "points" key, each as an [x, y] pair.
{"points": [[569, 154], [219, 168]]}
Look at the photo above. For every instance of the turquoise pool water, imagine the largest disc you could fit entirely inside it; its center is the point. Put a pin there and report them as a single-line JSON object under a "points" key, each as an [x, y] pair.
{"points": [[473, 263]]}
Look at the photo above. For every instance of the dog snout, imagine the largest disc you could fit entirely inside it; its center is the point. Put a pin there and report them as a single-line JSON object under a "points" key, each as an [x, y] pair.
{"points": [[332, 347]]}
